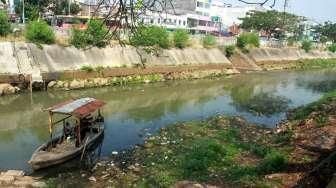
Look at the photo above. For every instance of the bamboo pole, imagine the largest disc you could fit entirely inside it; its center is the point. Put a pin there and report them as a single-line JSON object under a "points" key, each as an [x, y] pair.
{"points": [[50, 124]]}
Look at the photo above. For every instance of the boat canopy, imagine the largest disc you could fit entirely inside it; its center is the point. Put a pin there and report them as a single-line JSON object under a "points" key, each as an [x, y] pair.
{"points": [[78, 108]]}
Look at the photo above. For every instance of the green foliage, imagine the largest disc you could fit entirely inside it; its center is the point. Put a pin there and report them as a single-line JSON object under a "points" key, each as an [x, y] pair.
{"points": [[78, 38], [229, 51], [306, 45], [5, 27], [74, 8], [274, 23], [150, 36], [332, 48], [303, 112], [209, 41], [87, 68], [328, 30], [248, 40], [32, 9], [181, 38], [40, 32], [273, 162], [201, 156], [291, 41], [96, 35]]}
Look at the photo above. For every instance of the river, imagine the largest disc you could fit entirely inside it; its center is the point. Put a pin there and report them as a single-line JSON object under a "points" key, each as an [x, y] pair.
{"points": [[133, 112]]}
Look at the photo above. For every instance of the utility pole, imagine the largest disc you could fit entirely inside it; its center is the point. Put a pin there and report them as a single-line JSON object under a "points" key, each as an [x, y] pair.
{"points": [[69, 3], [89, 8], [23, 12]]}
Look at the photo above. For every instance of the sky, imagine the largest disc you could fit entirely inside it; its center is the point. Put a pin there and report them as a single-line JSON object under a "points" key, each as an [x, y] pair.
{"points": [[318, 10]]}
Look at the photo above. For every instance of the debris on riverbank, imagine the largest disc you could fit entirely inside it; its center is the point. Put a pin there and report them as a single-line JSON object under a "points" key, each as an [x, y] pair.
{"points": [[15, 178]]}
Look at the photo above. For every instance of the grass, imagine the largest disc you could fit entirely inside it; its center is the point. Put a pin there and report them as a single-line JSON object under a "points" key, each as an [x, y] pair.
{"points": [[305, 111], [210, 152], [316, 63]]}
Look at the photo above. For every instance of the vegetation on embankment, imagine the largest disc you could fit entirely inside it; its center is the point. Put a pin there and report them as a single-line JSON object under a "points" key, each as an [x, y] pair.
{"points": [[303, 64]]}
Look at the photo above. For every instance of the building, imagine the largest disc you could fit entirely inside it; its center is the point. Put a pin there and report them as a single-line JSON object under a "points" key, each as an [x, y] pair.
{"points": [[192, 15], [230, 15]]}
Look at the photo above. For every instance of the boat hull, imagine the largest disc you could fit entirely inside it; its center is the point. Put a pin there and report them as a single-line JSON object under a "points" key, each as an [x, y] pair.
{"points": [[38, 164]]}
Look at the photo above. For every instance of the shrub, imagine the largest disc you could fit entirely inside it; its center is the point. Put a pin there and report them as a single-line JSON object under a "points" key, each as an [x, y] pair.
{"points": [[209, 41], [229, 51], [150, 36], [273, 162], [181, 38], [40, 32], [306, 45], [87, 68], [201, 156], [5, 27], [96, 35], [332, 48], [78, 38], [247, 40]]}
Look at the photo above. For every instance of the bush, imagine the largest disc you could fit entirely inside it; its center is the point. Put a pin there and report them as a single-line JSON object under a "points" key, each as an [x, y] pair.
{"points": [[229, 51], [209, 41], [332, 48], [150, 36], [247, 40], [78, 38], [203, 154], [5, 27], [273, 162], [181, 38], [306, 45], [87, 68], [96, 35], [40, 32]]}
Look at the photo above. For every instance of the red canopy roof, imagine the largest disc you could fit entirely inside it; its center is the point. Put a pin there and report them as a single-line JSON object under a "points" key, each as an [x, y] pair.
{"points": [[79, 108]]}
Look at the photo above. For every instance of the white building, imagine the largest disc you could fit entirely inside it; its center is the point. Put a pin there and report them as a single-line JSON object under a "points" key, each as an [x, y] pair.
{"points": [[228, 14]]}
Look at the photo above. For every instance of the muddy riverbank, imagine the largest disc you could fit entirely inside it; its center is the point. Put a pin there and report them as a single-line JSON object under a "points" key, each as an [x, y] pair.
{"points": [[226, 152]]}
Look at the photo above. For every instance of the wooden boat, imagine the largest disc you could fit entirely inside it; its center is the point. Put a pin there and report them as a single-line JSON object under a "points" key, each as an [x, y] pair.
{"points": [[75, 139]]}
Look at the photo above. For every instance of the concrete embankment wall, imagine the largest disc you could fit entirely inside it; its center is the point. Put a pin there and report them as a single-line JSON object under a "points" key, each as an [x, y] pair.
{"points": [[23, 58], [278, 55], [275, 58]]}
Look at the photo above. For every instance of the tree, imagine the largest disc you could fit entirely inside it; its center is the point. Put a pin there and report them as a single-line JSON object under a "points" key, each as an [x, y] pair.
{"points": [[5, 26], [327, 30], [273, 23]]}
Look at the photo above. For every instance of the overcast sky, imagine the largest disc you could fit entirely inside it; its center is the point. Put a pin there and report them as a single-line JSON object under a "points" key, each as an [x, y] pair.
{"points": [[319, 10]]}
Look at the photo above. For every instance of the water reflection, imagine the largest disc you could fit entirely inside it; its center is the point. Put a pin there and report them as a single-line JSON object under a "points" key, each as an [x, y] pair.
{"points": [[133, 112]]}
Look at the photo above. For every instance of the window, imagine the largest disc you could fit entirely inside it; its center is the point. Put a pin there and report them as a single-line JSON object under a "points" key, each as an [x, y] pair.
{"points": [[199, 4], [207, 5], [184, 22], [151, 21], [175, 22], [165, 21], [179, 22], [159, 20], [199, 13], [206, 14]]}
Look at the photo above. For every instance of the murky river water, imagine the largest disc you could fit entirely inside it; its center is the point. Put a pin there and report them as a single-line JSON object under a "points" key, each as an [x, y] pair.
{"points": [[134, 111]]}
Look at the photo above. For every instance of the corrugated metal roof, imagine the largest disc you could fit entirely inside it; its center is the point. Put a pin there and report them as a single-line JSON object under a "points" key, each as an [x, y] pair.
{"points": [[79, 108]]}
